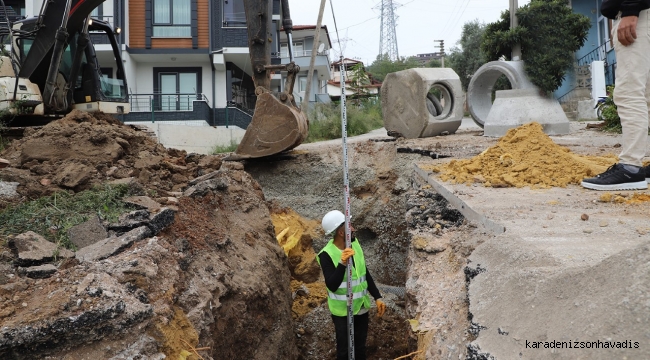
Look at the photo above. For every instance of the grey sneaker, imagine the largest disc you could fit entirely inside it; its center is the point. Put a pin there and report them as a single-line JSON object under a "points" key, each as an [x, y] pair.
{"points": [[647, 173], [617, 178]]}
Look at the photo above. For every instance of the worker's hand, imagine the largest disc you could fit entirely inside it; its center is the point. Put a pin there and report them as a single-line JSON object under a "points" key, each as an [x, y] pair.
{"points": [[627, 30], [381, 308], [346, 254]]}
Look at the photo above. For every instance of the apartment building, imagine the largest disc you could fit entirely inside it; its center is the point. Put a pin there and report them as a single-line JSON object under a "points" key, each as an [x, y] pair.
{"points": [[188, 61]]}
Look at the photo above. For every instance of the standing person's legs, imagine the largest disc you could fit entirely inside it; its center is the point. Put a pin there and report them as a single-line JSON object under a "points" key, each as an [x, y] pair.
{"points": [[632, 92], [360, 336], [341, 330]]}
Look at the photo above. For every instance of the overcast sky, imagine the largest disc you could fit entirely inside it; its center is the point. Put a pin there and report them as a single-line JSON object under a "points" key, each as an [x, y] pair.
{"points": [[419, 22]]}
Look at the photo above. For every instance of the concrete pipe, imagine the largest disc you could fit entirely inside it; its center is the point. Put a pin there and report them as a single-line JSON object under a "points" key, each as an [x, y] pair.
{"points": [[419, 103], [479, 92]]}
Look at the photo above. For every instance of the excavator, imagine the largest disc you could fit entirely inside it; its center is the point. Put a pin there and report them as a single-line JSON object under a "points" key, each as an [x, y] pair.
{"points": [[52, 67], [278, 125]]}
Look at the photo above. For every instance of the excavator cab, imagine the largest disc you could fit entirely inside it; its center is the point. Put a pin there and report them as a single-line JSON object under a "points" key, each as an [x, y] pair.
{"points": [[53, 68], [278, 125], [80, 81]]}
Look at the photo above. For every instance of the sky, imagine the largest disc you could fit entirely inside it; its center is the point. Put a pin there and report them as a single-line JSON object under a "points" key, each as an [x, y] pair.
{"points": [[419, 23]]}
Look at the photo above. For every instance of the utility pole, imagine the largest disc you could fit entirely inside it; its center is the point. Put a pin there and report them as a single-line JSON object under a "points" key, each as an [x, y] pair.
{"points": [[441, 46], [314, 49], [516, 49]]}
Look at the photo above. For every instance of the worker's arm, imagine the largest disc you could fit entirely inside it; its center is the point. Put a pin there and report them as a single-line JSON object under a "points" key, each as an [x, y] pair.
{"points": [[333, 274], [372, 287]]}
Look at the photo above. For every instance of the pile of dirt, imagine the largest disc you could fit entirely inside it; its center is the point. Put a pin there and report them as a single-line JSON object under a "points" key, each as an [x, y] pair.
{"points": [[525, 156], [81, 150], [213, 285]]}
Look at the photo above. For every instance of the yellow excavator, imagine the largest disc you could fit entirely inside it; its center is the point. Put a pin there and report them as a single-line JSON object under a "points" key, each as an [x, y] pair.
{"points": [[278, 124]]}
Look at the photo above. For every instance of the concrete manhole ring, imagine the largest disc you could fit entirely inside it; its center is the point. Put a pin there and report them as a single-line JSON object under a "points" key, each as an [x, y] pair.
{"points": [[479, 92]]}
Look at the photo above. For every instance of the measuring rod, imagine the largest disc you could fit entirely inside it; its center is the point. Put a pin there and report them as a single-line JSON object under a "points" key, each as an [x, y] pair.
{"points": [[346, 198]]}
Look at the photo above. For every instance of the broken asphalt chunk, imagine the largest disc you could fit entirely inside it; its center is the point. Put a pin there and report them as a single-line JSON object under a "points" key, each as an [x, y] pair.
{"points": [[33, 249], [112, 246]]}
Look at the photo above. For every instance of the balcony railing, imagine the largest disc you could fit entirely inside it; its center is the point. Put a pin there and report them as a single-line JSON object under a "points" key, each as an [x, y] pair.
{"points": [[164, 102], [303, 53], [583, 64]]}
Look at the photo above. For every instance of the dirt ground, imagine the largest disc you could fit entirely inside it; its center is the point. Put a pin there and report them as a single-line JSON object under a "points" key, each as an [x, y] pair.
{"points": [[235, 274]]}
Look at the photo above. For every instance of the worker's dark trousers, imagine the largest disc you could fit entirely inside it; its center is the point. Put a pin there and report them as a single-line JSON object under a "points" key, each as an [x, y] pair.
{"points": [[360, 335]]}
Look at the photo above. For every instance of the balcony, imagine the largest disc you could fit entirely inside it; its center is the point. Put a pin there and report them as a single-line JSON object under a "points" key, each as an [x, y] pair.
{"points": [[100, 37], [169, 107], [303, 57]]}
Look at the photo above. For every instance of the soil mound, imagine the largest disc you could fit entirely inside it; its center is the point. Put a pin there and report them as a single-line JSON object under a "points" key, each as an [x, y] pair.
{"points": [[83, 149], [214, 284], [525, 156]]}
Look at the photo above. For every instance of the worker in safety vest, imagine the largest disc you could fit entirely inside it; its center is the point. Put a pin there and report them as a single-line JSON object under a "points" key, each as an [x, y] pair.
{"points": [[333, 261]]}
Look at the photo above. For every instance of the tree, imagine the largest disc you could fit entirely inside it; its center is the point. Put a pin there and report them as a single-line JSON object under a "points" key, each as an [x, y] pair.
{"points": [[358, 80], [549, 33], [467, 57], [383, 66], [434, 63]]}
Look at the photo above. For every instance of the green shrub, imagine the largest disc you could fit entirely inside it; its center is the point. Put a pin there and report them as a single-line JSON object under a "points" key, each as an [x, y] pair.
{"points": [[325, 120], [220, 149], [52, 216], [549, 33], [609, 113]]}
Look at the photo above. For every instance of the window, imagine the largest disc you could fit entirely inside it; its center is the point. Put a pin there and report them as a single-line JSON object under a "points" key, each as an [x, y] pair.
{"points": [[604, 33], [302, 84], [172, 18], [298, 50], [98, 12], [234, 14], [177, 88]]}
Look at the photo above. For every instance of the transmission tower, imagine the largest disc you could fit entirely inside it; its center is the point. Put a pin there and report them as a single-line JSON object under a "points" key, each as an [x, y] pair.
{"points": [[388, 35]]}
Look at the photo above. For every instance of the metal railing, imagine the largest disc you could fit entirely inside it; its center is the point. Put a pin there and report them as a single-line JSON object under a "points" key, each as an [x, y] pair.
{"points": [[241, 107], [597, 54], [165, 102]]}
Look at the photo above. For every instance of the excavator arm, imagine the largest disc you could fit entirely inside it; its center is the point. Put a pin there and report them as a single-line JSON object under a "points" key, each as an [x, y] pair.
{"points": [[278, 124]]}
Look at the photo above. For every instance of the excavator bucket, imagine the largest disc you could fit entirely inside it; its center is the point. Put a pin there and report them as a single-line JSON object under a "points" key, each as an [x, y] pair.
{"points": [[276, 127]]}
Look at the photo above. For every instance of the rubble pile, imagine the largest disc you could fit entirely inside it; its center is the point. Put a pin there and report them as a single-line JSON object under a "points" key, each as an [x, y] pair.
{"points": [[81, 150], [161, 285], [183, 275]]}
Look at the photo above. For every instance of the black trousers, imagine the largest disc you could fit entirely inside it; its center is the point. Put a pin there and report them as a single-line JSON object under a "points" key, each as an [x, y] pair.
{"points": [[360, 335]]}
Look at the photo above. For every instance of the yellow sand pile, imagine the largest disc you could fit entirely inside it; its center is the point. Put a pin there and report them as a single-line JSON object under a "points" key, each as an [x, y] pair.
{"points": [[525, 156], [290, 228], [295, 234]]}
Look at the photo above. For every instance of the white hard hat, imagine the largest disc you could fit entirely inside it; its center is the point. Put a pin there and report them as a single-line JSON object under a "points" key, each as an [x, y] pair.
{"points": [[332, 220]]}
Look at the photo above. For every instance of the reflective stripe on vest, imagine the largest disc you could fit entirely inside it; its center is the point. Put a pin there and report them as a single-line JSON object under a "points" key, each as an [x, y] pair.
{"points": [[337, 301], [344, 285], [357, 295]]}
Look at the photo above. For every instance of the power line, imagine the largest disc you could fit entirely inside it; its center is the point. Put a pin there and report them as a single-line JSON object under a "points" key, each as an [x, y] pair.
{"points": [[461, 15]]}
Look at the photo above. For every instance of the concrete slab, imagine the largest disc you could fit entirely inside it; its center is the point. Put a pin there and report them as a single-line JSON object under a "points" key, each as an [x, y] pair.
{"points": [[513, 108], [552, 277]]}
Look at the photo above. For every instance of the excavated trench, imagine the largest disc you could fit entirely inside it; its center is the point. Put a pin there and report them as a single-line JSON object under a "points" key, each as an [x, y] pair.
{"points": [[416, 247]]}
